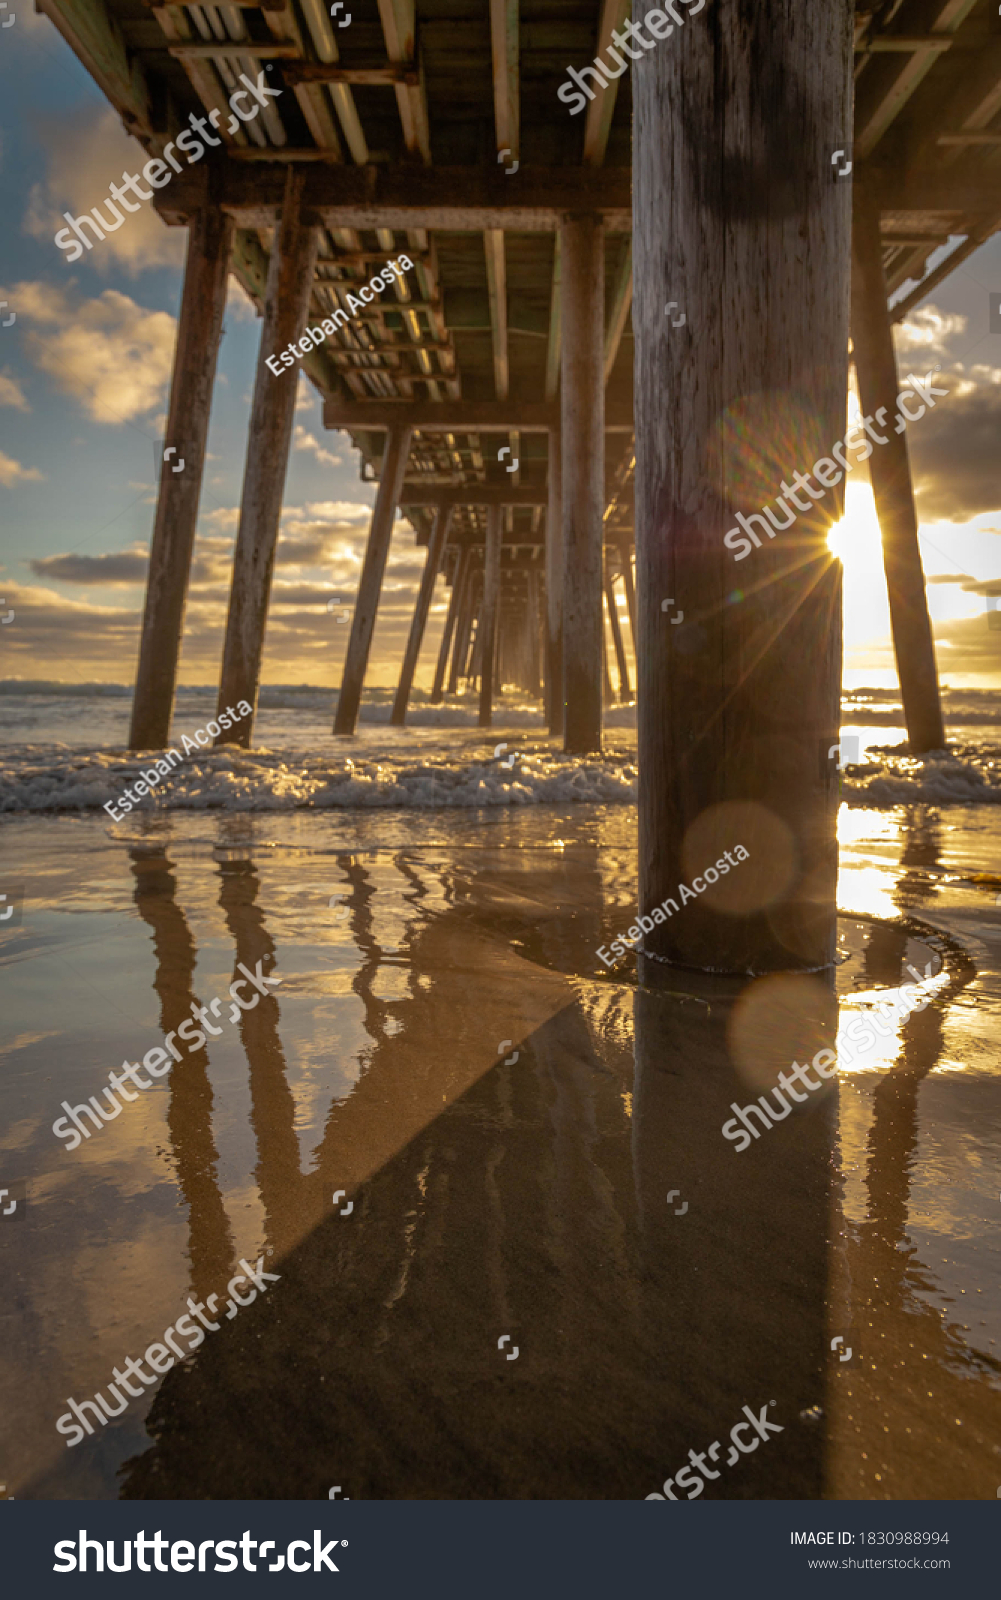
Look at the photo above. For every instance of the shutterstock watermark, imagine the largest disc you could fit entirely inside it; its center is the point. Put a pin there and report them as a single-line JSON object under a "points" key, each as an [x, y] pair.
{"points": [[158, 1355], [601, 73], [825, 1063], [660, 914], [686, 1478], [825, 471], [158, 172], [158, 1060], [73, 1553]]}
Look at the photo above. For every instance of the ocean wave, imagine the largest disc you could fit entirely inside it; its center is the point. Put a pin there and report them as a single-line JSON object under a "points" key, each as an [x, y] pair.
{"points": [[265, 780]]}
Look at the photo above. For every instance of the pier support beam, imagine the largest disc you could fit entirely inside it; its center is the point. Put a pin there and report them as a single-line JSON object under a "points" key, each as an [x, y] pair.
{"points": [[735, 700], [890, 475], [582, 399], [489, 611], [455, 600], [436, 545], [210, 241], [286, 311], [613, 622], [394, 464], [464, 625], [554, 587]]}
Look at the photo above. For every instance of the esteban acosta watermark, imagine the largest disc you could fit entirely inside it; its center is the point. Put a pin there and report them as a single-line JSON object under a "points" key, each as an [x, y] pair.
{"points": [[164, 765], [157, 172], [660, 914], [314, 337]]}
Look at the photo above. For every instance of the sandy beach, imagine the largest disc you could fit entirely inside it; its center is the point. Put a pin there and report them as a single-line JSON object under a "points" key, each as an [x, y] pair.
{"points": [[505, 1118]]}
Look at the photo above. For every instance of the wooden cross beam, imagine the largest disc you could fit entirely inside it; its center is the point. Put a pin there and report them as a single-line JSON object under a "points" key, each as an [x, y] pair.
{"points": [[455, 198], [458, 416]]}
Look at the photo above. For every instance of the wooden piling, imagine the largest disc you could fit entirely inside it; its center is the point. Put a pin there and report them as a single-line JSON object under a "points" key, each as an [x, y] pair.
{"points": [[436, 545], [554, 587], [489, 611], [735, 699], [890, 475], [613, 623], [286, 312], [582, 402], [455, 597], [464, 626], [210, 240], [394, 464]]}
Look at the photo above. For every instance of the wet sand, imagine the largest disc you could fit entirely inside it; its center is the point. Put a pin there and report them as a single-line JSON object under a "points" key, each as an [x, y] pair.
{"points": [[506, 1118]]}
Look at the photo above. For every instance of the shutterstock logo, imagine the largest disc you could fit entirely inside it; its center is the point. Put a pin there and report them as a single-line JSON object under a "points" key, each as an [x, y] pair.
{"points": [[72, 1553]]}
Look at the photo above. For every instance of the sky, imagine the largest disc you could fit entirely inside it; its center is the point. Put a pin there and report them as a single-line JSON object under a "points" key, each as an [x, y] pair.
{"points": [[84, 382]]}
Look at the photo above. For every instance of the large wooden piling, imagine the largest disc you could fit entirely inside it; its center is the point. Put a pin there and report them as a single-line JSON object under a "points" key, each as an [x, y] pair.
{"points": [[554, 587], [489, 611], [210, 241], [394, 464], [286, 312], [418, 623], [890, 475], [582, 401], [464, 624], [454, 600], [736, 699]]}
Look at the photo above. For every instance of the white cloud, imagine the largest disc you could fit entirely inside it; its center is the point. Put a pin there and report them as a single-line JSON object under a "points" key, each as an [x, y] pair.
{"points": [[307, 441], [111, 354], [11, 393], [925, 332], [12, 472], [87, 153]]}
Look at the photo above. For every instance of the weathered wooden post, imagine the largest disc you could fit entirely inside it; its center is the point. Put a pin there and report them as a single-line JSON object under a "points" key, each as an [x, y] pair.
{"points": [[488, 612], [582, 406], [626, 554], [458, 579], [554, 586], [532, 626], [464, 627], [418, 623], [394, 465], [736, 700], [210, 240], [286, 310], [890, 475], [613, 622]]}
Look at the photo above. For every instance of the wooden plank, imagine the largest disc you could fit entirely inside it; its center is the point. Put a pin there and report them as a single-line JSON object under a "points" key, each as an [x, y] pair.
{"points": [[735, 699], [472, 494], [872, 126], [890, 475], [96, 40], [199, 331], [227, 49], [387, 499], [487, 632], [600, 110], [418, 622], [504, 45], [331, 72], [461, 416], [399, 24], [290, 281], [493, 249], [582, 398], [453, 198]]}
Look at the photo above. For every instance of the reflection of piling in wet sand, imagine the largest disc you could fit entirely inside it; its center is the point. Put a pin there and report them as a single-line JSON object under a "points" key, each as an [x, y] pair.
{"points": [[189, 1111]]}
